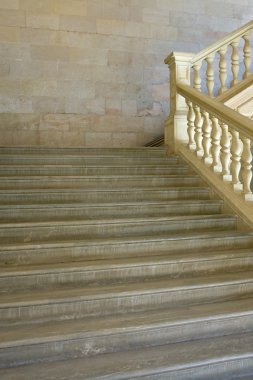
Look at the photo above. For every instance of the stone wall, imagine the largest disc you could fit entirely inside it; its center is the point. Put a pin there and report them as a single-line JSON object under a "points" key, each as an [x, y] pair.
{"points": [[91, 72]]}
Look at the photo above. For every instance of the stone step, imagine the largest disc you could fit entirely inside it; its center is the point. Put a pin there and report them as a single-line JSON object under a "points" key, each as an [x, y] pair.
{"points": [[105, 182], [95, 336], [82, 229], [223, 358], [123, 247], [53, 212], [105, 196], [169, 265], [72, 303], [69, 170], [112, 152], [8, 160]]}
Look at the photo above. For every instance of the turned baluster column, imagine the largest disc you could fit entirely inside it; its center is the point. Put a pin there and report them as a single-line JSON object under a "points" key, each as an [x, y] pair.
{"points": [[198, 131], [223, 69], [225, 153], [210, 74], [236, 151], [235, 62], [246, 168], [215, 149], [197, 78], [190, 124], [246, 55], [198, 118], [206, 138]]}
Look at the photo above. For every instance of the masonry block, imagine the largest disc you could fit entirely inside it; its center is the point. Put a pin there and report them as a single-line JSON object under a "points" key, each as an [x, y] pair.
{"points": [[12, 17], [9, 4], [42, 20], [9, 34], [73, 7], [77, 24]]}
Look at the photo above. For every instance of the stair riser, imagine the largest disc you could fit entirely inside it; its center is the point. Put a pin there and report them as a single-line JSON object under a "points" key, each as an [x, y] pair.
{"points": [[87, 231], [87, 161], [83, 152], [222, 369], [124, 274], [70, 308], [125, 339], [73, 171], [138, 210], [93, 183], [103, 196], [65, 253]]}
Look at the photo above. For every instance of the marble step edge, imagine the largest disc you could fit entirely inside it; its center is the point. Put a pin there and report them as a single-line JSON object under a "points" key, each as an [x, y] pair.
{"points": [[147, 165], [108, 177], [146, 203], [55, 252], [99, 156], [106, 191], [89, 337], [48, 197], [83, 162], [108, 181], [121, 222], [53, 231], [184, 237], [65, 294], [74, 303], [213, 358], [40, 149], [118, 271]]}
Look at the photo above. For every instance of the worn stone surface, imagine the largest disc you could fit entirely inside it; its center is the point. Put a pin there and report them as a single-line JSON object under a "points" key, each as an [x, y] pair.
{"points": [[81, 64]]}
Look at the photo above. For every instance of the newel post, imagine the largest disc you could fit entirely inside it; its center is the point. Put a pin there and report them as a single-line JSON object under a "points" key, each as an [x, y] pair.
{"points": [[176, 124]]}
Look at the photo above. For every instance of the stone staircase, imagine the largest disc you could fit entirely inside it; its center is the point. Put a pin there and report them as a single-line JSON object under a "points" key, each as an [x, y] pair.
{"points": [[119, 264]]}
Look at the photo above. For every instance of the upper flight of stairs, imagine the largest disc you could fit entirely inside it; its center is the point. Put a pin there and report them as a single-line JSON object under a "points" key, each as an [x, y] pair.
{"points": [[119, 264]]}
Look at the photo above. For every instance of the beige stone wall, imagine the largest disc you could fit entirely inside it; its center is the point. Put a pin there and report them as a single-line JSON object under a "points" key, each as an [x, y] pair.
{"points": [[91, 72]]}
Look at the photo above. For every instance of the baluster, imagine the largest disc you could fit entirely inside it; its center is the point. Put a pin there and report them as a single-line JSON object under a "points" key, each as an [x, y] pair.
{"points": [[246, 168], [210, 74], [246, 55], [236, 151], [197, 78], [215, 149], [225, 153], [235, 62], [206, 138], [223, 69], [190, 123], [198, 131]]}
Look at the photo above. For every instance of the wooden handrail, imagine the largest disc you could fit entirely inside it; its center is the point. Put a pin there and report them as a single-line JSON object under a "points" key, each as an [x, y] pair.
{"points": [[222, 42], [225, 114]]}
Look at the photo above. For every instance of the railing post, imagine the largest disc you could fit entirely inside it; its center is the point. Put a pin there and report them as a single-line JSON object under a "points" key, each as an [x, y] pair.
{"points": [[176, 124]]}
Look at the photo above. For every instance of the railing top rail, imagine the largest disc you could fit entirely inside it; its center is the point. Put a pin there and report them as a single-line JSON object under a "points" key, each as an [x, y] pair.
{"points": [[235, 90], [225, 114], [222, 42]]}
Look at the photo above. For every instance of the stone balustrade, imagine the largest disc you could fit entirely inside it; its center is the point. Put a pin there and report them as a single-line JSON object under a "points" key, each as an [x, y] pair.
{"points": [[219, 50], [221, 138]]}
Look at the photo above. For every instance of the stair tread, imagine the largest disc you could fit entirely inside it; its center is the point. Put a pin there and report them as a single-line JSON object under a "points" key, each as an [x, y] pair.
{"points": [[77, 190], [146, 165], [115, 204], [126, 240], [134, 283], [107, 325], [103, 264], [117, 221], [58, 295], [151, 361]]}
